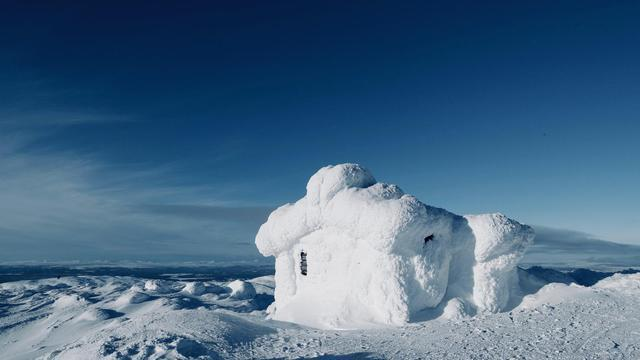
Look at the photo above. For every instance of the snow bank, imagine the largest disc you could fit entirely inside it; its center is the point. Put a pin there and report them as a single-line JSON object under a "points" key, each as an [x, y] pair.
{"points": [[553, 294], [65, 301], [354, 252], [627, 283]]}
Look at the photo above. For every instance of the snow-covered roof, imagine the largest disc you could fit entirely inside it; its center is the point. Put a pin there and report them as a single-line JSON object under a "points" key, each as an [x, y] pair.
{"points": [[347, 197]]}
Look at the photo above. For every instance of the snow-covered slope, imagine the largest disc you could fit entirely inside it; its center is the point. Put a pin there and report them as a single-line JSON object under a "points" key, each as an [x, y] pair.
{"points": [[101, 317]]}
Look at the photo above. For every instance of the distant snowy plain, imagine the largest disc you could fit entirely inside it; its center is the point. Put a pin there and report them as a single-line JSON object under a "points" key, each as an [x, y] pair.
{"points": [[127, 317]]}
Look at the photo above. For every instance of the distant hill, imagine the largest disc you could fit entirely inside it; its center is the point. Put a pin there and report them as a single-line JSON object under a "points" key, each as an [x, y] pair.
{"points": [[559, 248], [584, 277]]}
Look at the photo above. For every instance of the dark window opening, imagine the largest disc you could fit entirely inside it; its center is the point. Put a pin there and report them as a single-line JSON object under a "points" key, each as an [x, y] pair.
{"points": [[428, 238], [303, 263]]}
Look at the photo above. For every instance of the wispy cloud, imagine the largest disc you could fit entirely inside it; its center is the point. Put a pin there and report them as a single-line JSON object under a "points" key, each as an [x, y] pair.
{"points": [[63, 206], [565, 248], [210, 212], [27, 119]]}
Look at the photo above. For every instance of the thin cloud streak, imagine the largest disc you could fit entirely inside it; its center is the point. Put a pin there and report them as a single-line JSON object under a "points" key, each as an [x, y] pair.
{"points": [[256, 214], [63, 206], [565, 248], [19, 119]]}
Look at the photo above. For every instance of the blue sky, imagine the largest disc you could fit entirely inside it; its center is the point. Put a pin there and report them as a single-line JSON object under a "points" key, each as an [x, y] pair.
{"points": [[169, 130]]}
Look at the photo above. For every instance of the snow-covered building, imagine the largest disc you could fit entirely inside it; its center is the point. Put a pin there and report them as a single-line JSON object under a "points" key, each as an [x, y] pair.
{"points": [[354, 253]]}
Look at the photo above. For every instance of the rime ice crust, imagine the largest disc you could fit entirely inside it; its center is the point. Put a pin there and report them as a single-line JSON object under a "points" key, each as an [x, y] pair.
{"points": [[367, 258], [500, 244]]}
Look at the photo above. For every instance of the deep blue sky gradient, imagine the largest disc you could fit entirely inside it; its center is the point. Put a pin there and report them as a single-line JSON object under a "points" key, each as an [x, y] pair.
{"points": [[528, 108]]}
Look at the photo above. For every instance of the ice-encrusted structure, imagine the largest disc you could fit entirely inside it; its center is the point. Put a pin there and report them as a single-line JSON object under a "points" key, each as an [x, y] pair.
{"points": [[354, 252]]}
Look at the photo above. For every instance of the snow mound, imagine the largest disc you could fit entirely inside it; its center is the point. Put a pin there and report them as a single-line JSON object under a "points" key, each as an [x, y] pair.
{"points": [[355, 252], [454, 310], [158, 286], [65, 301], [241, 290], [98, 314], [627, 283], [557, 293], [553, 294], [195, 288], [132, 296]]}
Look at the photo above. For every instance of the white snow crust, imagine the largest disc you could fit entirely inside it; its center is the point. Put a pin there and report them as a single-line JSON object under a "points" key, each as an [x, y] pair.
{"points": [[367, 259], [78, 318]]}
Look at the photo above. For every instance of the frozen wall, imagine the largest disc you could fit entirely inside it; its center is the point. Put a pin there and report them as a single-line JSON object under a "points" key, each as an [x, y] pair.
{"points": [[367, 259]]}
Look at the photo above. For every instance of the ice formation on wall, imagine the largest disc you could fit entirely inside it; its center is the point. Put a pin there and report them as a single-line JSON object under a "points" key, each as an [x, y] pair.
{"points": [[374, 255]]}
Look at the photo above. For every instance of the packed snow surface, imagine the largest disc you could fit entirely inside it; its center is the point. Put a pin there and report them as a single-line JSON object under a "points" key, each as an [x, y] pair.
{"points": [[355, 253], [85, 318]]}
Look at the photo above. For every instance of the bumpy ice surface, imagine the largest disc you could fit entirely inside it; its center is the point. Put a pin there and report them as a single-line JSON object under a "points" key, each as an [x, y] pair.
{"points": [[106, 317]]}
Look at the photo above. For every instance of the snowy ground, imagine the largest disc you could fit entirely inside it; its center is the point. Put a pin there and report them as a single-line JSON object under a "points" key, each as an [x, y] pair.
{"points": [[94, 317]]}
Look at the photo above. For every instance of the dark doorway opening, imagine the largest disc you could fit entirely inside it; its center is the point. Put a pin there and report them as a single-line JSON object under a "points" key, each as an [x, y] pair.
{"points": [[303, 263]]}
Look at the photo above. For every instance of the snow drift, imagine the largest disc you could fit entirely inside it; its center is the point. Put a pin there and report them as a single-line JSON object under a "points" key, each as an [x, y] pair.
{"points": [[354, 252], [79, 318]]}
